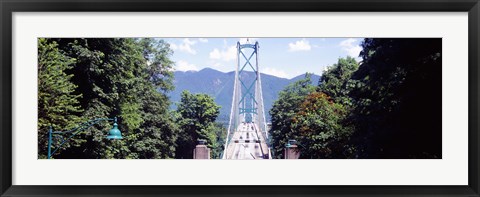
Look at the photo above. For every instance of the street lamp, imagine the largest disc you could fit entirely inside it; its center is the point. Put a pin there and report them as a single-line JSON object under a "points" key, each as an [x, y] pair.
{"points": [[113, 134], [291, 143]]}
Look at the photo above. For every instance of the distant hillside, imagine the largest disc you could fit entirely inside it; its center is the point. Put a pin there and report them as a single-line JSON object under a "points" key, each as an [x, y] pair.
{"points": [[220, 86]]}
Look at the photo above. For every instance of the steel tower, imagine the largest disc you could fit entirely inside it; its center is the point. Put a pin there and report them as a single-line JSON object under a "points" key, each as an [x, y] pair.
{"points": [[247, 99]]}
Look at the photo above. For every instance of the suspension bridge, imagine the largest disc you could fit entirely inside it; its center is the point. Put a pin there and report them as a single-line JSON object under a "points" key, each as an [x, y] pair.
{"points": [[247, 134]]}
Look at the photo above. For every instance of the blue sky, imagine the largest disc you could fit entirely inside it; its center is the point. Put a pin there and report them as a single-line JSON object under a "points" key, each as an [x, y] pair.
{"points": [[281, 57]]}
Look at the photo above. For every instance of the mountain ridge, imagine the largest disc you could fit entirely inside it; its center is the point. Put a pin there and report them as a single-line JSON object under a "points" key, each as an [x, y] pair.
{"points": [[219, 85]]}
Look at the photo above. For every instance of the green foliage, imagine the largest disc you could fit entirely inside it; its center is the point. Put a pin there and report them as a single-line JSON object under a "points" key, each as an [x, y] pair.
{"points": [[58, 104], [221, 135], [313, 118], [283, 112], [389, 106], [336, 81], [157, 53], [319, 128], [127, 78], [197, 115], [398, 99], [158, 131], [131, 115]]}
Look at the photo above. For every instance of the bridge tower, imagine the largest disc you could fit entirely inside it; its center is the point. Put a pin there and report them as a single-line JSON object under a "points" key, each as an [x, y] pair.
{"points": [[247, 99]]}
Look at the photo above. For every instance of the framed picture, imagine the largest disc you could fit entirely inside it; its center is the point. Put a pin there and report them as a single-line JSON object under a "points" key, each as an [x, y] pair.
{"points": [[349, 98]]}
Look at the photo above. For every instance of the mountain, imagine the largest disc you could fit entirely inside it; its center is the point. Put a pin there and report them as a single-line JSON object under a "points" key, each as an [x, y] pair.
{"points": [[220, 86]]}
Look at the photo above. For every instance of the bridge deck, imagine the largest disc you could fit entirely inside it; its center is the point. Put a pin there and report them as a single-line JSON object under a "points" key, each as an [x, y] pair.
{"points": [[247, 143]]}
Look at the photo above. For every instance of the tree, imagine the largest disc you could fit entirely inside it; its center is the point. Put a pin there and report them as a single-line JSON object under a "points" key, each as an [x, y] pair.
{"points": [[128, 78], [319, 128], [284, 110], [158, 130], [197, 115], [159, 66], [336, 80], [58, 104], [398, 99], [221, 134]]}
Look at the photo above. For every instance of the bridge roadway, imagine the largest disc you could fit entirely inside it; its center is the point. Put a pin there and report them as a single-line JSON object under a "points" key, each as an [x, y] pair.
{"points": [[247, 143]]}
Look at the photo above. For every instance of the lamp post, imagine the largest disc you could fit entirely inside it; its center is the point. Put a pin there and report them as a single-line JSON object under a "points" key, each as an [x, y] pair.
{"points": [[113, 134]]}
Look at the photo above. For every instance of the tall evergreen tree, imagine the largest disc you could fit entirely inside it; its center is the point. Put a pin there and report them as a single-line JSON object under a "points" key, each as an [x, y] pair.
{"points": [[58, 104], [159, 131]]}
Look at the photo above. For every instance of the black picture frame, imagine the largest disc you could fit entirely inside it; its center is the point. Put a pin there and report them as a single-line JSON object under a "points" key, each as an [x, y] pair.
{"points": [[7, 7]]}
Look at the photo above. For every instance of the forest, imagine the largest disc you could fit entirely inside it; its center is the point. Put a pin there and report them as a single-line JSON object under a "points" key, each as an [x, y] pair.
{"points": [[386, 106], [389, 106], [128, 78]]}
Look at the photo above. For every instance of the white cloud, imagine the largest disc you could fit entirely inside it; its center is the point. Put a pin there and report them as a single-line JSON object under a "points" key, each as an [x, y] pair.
{"points": [[182, 65], [189, 42], [215, 54], [187, 45], [226, 55], [301, 45], [275, 72], [351, 47]]}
